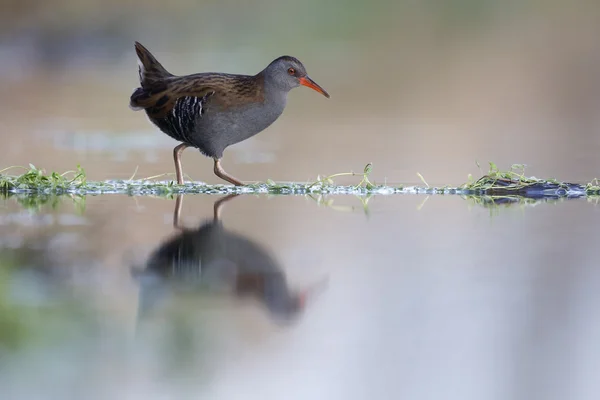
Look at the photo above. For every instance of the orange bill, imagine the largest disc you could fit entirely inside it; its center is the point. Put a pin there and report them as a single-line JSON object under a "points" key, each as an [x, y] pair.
{"points": [[306, 81]]}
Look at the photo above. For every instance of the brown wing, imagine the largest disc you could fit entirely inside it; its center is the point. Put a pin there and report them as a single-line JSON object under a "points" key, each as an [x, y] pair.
{"points": [[161, 97], [160, 89], [226, 90]]}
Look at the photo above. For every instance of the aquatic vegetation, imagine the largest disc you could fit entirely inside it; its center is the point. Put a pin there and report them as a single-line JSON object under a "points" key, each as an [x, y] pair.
{"points": [[35, 202], [496, 203], [36, 179], [328, 180], [325, 201], [496, 182], [514, 182], [593, 187]]}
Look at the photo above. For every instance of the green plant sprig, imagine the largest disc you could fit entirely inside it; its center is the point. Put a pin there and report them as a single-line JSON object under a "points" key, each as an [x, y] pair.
{"points": [[328, 180]]}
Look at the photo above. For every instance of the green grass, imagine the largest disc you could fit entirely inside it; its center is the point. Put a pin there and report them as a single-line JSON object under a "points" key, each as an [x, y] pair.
{"points": [[514, 182], [37, 180], [511, 182]]}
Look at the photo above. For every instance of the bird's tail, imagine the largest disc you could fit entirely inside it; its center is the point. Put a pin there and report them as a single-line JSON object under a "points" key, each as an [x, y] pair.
{"points": [[151, 71], [154, 80]]}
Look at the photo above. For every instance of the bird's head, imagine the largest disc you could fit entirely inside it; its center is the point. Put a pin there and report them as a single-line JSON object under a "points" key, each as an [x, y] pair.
{"points": [[288, 72]]}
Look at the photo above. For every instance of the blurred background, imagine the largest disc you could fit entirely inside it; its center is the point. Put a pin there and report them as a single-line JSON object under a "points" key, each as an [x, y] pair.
{"points": [[429, 86], [435, 300]]}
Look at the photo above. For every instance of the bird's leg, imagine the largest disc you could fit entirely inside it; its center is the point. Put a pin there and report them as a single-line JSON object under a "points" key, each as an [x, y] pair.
{"points": [[177, 158], [219, 205], [177, 213], [220, 172]]}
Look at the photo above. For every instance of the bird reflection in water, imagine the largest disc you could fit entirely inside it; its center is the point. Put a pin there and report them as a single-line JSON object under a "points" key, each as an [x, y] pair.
{"points": [[215, 259]]}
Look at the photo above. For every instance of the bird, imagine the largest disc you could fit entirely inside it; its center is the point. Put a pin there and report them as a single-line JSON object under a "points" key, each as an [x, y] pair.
{"points": [[214, 259], [211, 111]]}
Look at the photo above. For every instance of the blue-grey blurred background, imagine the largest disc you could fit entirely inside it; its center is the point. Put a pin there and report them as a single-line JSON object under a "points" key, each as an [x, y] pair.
{"points": [[435, 300]]}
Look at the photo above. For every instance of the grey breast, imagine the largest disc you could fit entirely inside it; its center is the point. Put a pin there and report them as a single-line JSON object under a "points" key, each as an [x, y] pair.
{"points": [[202, 124], [222, 128]]}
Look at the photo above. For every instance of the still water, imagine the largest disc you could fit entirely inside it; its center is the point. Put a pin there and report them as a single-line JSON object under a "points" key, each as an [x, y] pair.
{"points": [[286, 297], [256, 297]]}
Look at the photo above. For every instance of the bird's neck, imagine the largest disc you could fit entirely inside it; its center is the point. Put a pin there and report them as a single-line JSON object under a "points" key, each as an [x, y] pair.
{"points": [[272, 92]]}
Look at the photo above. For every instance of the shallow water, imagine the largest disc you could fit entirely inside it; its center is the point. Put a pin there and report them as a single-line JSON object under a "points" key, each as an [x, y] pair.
{"points": [[292, 297], [442, 298]]}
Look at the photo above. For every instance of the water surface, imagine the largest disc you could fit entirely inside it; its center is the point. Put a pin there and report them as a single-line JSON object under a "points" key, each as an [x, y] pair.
{"points": [[282, 298]]}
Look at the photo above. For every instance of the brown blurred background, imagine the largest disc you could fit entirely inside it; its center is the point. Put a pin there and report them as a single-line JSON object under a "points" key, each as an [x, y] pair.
{"points": [[434, 300], [429, 86]]}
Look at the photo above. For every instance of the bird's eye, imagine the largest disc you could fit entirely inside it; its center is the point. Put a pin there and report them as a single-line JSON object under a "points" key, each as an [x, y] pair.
{"points": [[291, 71]]}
